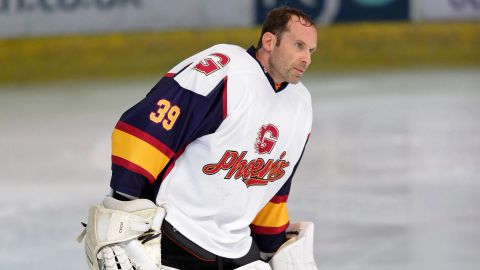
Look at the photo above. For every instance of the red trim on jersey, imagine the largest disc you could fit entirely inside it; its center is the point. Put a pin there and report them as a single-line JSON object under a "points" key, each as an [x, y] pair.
{"points": [[132, 167], [169, 75], [170, 167], [279, 199], [268, 230], [145, 137], [224, 97]]}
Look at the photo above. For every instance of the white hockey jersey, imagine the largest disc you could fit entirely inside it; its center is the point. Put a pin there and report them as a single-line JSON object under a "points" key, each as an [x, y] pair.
{"points": [[220, 143]]}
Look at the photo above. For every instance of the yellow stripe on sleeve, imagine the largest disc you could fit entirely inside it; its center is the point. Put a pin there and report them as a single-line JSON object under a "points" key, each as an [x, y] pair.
{"points": [[272, 215], [139, 152]]}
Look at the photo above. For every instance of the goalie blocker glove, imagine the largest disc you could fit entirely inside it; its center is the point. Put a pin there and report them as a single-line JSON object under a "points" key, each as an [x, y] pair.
{"points": [[297, 252], [123, 235]]}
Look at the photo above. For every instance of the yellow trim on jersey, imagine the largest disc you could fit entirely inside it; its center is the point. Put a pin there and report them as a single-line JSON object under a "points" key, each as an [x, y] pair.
{"points": [[139, 152], [272, 215]]}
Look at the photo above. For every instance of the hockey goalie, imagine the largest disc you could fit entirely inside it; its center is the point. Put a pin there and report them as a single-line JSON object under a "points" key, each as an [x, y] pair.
{"points": [[202, 166]]}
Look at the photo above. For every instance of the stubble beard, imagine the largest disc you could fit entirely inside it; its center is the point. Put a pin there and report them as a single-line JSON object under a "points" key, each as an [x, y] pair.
{"points": [[276, 72], [294, 79]]}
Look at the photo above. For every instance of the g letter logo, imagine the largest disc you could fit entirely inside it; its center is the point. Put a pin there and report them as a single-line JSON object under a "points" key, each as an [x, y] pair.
{"points": [[267, 137]]}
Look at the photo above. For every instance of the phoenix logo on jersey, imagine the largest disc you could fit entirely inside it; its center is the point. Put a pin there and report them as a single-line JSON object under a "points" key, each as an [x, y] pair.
{"points": [[255, 172]]}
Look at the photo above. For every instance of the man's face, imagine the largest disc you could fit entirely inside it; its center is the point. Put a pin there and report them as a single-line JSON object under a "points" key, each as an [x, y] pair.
{"points": [[290, 59]]}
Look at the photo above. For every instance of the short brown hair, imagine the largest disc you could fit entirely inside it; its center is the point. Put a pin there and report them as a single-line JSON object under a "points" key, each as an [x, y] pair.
{"points": [[277, 20]]}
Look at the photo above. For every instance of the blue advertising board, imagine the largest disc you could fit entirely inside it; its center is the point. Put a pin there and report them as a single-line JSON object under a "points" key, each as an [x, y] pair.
{"points": [[328, 11]]}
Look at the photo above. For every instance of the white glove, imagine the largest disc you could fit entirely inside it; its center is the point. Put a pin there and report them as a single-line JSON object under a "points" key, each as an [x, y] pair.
{"points": [[123, 235], [297, 252], [114, 257]]}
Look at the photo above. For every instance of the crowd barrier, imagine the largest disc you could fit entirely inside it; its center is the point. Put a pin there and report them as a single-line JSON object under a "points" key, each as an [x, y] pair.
{"points": [[340, 47]]}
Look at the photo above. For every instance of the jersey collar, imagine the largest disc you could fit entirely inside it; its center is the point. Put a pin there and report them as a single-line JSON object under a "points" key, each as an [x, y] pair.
{"points": [[276, 87]]}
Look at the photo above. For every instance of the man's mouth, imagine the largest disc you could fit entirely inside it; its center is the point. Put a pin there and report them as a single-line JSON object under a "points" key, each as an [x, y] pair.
{"points": [[299, 70]]}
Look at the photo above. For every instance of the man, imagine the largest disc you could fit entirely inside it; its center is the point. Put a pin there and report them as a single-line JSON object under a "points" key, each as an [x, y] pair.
{"points": [[215, 144]]}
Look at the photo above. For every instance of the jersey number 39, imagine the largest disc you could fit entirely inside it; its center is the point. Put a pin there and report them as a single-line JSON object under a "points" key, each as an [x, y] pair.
{"points": [[212, 63], [166, 114]]}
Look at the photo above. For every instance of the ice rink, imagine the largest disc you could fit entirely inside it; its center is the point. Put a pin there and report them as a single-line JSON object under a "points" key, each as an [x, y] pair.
{"points": [[391, 176]]}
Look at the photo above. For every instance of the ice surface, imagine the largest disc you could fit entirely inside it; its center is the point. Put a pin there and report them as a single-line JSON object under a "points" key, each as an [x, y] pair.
{"points": [[391, 175]]}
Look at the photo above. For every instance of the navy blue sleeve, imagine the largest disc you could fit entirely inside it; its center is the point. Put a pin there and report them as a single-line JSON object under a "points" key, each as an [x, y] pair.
{"points": [[151, 134]]}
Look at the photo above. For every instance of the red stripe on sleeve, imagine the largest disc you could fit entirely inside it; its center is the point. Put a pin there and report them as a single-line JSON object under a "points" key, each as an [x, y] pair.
{"points": [[268, 230], [279, 199], [224, 97], [169, 75], [145, 137], [132, 167]]}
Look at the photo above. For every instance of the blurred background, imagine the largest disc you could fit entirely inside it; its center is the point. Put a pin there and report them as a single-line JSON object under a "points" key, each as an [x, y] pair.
{"points": [[391, 175]]}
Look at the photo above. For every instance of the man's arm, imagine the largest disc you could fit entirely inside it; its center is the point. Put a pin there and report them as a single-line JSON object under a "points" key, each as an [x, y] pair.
{"points": [[282, 244], [150, 135], [145, 143], [269, 226]]}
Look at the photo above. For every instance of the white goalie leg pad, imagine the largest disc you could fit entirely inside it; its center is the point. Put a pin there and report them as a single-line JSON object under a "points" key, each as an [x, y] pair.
{"points": [[297, 252], [113, 231], [256, 265]]}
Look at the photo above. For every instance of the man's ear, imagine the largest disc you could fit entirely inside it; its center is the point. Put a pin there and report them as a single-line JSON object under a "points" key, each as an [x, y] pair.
{"points": [[268, 41]]}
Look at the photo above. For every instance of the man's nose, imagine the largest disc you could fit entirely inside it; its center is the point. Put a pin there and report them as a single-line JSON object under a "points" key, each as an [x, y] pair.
{"points": [[307, 58]]}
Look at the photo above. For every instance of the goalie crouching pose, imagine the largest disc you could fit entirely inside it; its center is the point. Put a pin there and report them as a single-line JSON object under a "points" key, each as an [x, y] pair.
{"points": [[202, 166]]}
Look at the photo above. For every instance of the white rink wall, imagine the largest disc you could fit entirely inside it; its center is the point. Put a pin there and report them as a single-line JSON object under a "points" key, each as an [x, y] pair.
{"points": [[60, 17], [41, 17], [391, 175]]}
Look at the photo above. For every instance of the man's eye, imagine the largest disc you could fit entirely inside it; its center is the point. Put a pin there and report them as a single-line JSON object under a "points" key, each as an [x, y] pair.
{"points": [[299, 45]]}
